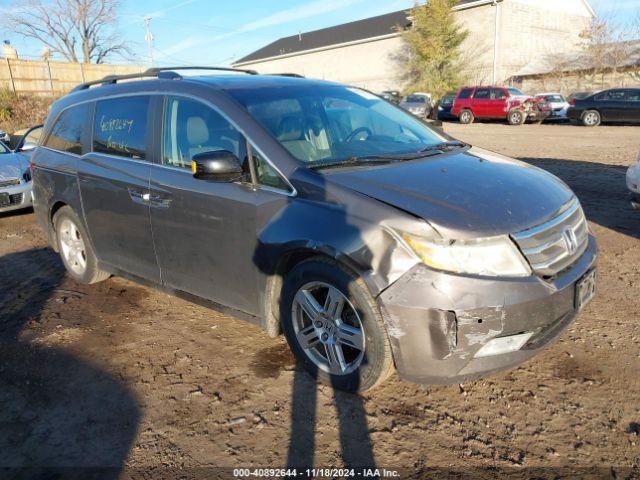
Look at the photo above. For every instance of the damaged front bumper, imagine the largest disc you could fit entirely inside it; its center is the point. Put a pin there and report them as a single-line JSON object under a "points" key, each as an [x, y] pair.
{"points": [[438, 322]]}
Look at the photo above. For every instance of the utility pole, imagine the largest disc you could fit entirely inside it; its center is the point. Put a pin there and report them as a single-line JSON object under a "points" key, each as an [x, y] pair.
{"points": [[149, 39], [496, 40]]}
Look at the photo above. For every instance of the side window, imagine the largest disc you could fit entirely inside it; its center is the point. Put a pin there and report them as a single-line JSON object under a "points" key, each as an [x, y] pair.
{"points": [[482, 93], [611, 95], [633, 95], [66, 134], [120, 127], [191, 127], [465, 93], [497, 94], [267, 175]]}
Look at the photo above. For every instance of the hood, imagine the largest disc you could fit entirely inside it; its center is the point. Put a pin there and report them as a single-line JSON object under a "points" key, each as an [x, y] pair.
{"points": [[413, 104], [12, 165], [475, 193]]}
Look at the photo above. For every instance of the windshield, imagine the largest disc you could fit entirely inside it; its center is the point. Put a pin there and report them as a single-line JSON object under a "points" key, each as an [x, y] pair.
{"points": [[515, 91], [323, 124], [415, 99], [4, 148], [448, 99]]}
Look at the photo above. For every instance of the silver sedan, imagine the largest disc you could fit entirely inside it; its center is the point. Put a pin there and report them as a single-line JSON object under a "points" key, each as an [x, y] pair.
{"points": [[15, 176]]}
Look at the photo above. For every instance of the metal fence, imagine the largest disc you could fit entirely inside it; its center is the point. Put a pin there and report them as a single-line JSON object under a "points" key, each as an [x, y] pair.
{"points": [[54, 78]]}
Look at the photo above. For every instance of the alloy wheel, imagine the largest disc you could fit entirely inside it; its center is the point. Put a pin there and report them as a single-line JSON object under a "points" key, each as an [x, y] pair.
{"points": [[328, 328], [72, 246], [591, 118], [516, 117]]}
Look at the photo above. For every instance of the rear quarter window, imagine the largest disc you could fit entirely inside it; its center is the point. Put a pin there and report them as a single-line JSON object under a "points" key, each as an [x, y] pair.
{"points": [[66, 133], [120, 126]]}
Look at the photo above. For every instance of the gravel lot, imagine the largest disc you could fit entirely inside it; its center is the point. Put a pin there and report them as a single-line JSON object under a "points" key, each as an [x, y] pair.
{"points": [[119, 375]]}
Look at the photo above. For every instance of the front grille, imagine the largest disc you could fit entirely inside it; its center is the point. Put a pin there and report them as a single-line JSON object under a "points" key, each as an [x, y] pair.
{"points": [[557, 244], [8, 200], [9, 183]]}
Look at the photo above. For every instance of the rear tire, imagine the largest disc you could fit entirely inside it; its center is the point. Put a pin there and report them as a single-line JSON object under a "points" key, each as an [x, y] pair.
{"points": [[75, 249], [516, 117], [466, 117], [591, 118], [346, 347]]}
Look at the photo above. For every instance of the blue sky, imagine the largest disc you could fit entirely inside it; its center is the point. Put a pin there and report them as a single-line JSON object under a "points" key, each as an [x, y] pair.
{"points": [[208, 32]]}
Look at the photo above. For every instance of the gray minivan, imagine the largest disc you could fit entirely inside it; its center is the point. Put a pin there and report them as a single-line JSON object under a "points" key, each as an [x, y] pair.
{"points": [[319, 211]]}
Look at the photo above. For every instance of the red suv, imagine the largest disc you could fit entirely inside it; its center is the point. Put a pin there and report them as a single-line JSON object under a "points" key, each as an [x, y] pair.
{"points": [[498, 102]]}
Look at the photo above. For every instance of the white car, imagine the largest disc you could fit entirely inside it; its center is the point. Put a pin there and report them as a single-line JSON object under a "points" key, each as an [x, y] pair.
{"points": [[558, 103], [633, 183], [15, 176], [4, 137]]}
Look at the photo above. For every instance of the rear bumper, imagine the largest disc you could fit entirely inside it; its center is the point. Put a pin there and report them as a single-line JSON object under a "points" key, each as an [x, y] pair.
{"points": [[19, 197], [437, 322]]}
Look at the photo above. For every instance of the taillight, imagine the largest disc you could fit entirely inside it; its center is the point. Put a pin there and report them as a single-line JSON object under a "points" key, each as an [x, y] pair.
{"points": [[572, 103]]}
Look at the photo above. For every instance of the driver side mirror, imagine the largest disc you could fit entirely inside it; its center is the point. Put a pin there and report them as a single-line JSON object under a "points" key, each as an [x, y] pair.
{"points": [[27, 146], [217, 166]]}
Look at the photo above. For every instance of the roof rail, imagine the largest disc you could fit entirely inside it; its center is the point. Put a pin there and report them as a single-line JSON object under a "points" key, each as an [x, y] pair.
{"points": [[294, 75], [156, 72]]}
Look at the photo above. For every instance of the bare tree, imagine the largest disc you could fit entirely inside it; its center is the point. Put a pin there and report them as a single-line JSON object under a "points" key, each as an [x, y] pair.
{"points": [[75, 29], [606, 49]]}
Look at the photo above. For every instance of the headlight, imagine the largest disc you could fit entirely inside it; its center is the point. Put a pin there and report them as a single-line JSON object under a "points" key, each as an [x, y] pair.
{"points": [[494, 256]]}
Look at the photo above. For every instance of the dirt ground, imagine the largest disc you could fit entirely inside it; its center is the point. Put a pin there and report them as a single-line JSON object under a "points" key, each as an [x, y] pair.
{"points": [[119, 375]]}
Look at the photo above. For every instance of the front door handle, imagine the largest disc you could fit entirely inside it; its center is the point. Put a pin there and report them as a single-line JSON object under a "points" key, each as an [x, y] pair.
{"points": [[159, 201], [140, 196]]}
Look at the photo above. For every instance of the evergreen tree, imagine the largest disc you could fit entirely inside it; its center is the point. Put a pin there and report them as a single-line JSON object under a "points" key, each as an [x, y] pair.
{"points": [[433, 63]]}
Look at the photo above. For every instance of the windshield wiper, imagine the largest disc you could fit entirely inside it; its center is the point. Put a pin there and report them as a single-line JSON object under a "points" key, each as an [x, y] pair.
{"points": [[362, 160], [390, 157], [444, 146]]}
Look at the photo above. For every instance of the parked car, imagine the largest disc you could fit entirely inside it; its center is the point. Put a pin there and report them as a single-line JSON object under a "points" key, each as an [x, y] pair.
{"points": [[15, 176], [5, 137], [558, 104], [618, 105], [633, 183], [445, 104], [320, 211], [392, 96], [419, 104], [510, 104]]}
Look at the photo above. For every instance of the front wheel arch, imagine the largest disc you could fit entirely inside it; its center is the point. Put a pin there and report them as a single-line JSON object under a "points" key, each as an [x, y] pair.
{"points": [[287, 262]]}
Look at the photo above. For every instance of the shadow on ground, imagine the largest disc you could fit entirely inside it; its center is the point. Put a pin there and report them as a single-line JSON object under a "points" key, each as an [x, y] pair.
{"points": [[601, 189], [57, 411]]}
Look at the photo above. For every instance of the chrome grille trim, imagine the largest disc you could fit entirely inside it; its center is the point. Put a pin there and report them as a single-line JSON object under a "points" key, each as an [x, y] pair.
{"points": [[557, 244], [9, 183]]}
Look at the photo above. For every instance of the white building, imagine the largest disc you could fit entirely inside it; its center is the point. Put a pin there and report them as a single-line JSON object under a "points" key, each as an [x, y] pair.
{"points": [[504, 36]]}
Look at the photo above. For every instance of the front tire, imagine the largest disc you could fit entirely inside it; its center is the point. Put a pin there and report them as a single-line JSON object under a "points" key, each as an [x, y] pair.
{"points": [[75, 249], [516, 117], [334, 327], [591, 118]]}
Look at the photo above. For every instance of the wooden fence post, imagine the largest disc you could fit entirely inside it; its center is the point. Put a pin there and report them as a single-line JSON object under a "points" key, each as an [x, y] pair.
{"points": [[13, 84], [49, 74]]}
